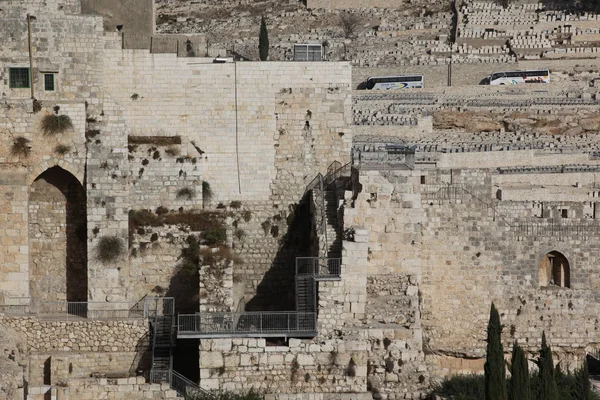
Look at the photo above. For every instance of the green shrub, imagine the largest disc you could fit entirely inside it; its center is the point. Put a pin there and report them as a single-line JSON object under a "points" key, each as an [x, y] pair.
{"points": [[235, 204], [21, 147], [215, 235], [109, 249], [462, 387], [54, 124]]}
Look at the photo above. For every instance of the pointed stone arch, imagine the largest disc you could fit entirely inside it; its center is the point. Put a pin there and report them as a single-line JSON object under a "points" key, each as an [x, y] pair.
{"points": [[77, 171], [57, 236], [554, 270]]}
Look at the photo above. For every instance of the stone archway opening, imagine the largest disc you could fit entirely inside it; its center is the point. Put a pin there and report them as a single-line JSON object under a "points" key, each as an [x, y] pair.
{"points": [[554, 270], [57, 237]]}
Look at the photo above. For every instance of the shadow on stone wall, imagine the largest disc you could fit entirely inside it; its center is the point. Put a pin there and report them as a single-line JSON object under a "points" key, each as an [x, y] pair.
{"points": [[58, 231], [276, 291]]}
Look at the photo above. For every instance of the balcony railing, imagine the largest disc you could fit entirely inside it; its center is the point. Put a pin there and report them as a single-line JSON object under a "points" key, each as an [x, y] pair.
{"points": [[319, 267], [248, 324]]}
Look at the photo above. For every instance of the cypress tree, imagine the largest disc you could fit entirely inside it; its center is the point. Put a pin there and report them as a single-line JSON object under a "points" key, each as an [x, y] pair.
{"points": [[519, 381], [495, 374], [547, 388], [263, 40], [582, 389]]}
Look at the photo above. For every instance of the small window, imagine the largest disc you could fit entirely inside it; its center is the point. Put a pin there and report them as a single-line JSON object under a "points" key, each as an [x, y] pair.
{"points": [[308, 52], [19, 78], [564, 213], [422, 179], [49, 82]]}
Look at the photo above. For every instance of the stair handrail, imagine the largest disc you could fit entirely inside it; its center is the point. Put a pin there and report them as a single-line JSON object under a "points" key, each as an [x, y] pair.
{"points": [[177, 377], [155, 333]]}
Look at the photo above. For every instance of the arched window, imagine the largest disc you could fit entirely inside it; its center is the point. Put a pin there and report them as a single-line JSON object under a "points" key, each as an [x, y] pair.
{"points": [[554, 270]]}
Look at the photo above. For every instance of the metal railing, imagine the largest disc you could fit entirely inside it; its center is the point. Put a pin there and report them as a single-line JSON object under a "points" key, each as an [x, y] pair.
{"points": [[254, 323], [160, 375], [69, 310], [88, 310], [319, 266], [179, 383], [184, 387]]}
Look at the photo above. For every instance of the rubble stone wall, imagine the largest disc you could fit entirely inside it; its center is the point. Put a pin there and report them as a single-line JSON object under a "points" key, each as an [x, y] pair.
{"points": [[95, 336]]}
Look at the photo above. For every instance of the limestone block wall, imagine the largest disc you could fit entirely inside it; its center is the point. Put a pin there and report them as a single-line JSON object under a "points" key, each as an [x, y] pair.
{"points": [[64, 44], [237, 129], [107, 174], [463, 254], [301, 367], [20, 170], [58, 367], [134, 388], [158, 173]]}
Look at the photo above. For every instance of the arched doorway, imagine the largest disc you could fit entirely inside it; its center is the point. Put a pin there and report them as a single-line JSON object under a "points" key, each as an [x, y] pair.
{"points": [[554, 270], [57, 237]]}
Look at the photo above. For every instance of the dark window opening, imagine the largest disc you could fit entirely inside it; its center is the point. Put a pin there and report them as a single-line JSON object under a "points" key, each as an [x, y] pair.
{"points": [[564, 213], [422, 179], [19, 78], [49, 82]]}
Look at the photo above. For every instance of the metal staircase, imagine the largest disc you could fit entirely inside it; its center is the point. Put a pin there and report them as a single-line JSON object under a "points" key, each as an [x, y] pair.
{"points": [[334, 237], [160, 312], [305, 293]]}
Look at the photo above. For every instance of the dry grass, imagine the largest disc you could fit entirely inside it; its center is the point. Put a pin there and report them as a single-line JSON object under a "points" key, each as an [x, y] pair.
{"points": [[155, 140], [62, 149], [109, 249], [54, 124], [21, 147], [186, 193]]}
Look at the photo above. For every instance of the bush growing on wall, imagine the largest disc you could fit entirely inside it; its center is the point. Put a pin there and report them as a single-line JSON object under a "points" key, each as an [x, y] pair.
{"points": [[109, 249], [54, 124], [21, 147]]}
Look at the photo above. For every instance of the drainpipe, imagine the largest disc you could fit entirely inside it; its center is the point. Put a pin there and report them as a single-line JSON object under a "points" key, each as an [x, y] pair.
{"points": [[29, 18]]}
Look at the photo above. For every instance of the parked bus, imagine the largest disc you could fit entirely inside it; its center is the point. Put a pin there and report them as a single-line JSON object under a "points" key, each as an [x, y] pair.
{"points": [[516, 77], [395, 82]]}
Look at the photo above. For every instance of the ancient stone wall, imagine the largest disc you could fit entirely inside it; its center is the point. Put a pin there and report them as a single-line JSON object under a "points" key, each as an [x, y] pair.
{"points": [[302, 366], [238, 149], [134, 388], [58, 367], [93, 336], [464, 253]]}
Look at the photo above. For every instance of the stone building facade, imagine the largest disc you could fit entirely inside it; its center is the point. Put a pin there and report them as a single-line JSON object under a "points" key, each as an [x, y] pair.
{"points": [[427, 238]]}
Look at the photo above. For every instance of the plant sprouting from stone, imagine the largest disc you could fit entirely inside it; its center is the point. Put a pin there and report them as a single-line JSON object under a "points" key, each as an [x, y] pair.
{"points": [[186, 193], [207, 193], [53, 124], [109, 249], [62, 149], [21, 147]]}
